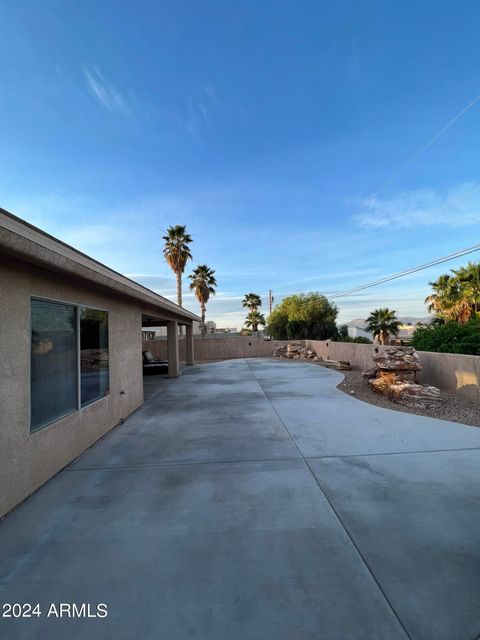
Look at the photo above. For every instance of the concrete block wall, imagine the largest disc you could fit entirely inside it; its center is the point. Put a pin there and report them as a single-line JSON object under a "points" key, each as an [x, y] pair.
{"points": [[359, 355], [452, 372], [448, 371], [207, 348]]}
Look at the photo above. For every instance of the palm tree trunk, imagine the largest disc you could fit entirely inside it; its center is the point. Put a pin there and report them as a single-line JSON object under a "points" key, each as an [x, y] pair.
{"points": [[202, 323], [179, 297], [179, 288]]}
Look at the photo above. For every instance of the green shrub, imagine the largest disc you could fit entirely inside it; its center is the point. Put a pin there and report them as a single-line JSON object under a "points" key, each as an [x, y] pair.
{"points": [[362, 340], [304, 316], [358, 340], [450, 337]]}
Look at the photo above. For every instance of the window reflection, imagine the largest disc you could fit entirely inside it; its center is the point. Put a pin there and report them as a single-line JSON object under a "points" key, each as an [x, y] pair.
{"points": [[94, 369], [53, 371]]}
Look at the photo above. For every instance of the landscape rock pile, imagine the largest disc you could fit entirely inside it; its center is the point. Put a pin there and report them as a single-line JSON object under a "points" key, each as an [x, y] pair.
{"points": [[394, 376], [295, 351]]}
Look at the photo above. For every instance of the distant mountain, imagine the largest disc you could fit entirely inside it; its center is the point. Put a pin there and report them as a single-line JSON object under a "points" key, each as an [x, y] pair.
{"points": [[360, 322]]}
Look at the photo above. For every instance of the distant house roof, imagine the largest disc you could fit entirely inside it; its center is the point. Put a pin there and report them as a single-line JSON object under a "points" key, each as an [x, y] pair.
{"points": [[31, 244]]}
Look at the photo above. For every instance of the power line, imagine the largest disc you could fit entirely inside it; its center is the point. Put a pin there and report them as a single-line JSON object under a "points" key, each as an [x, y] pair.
{"points": [[457, 254]]}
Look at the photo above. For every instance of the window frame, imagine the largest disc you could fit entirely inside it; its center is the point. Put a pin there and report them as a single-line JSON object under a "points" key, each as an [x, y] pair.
{"points": [[78, 306]]}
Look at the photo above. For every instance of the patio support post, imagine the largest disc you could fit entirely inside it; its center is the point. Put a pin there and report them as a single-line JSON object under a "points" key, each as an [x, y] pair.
{"points": [[189, 344], [172, 347]]}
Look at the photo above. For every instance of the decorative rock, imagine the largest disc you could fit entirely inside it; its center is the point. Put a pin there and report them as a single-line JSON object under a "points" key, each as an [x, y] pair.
{"points": [[415, 395], [368, 375], [381, 385], [294, 347], [397, 359], [395, 377], [295, 351], [342, 365]]}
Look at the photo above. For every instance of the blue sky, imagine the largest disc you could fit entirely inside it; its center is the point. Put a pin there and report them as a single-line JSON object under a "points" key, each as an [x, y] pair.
{"points": [[274, 130]]}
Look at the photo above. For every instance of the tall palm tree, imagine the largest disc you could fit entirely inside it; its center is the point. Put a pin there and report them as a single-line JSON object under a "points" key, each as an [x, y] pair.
{"points": [[469, 280], [177, 253], [252, 301], [254, 318], [456, 297], [442, 292], [203, 284], [383, 323]]}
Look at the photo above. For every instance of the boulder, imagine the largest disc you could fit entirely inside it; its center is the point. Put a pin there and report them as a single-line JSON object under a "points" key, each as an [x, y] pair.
{"points": [[380, 385], [415, 395], [342, 365], [294, 347], [397, 359], [394, 376]]}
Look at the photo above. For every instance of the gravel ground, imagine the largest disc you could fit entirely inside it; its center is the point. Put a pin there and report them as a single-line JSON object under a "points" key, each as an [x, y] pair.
{"points": [[456, 408]]}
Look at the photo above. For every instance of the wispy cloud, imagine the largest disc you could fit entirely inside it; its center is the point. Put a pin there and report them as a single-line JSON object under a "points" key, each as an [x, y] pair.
{"points": [[199, 112], [457, 207], [104, 93]]}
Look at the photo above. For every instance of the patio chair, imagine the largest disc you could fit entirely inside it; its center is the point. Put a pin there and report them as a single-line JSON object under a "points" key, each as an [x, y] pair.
{"points": [[152, 366]]}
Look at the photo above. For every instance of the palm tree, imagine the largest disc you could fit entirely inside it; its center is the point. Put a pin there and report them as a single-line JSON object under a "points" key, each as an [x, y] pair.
{"points": [[177, 253], [442, 291], [252, 301], [254, 318], [383, 323], [456, 297], [203, 284], [469, 280], [447, 301]]}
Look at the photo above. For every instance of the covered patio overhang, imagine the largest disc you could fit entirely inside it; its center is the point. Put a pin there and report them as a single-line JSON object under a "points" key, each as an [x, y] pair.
{"points": [[172, 322]]}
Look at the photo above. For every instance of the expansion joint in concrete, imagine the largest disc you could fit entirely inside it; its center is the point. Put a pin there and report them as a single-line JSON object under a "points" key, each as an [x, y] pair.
{"points": [[334, 511]]}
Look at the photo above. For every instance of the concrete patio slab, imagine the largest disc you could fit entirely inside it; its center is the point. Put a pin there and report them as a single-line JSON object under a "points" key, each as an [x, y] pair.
{"points": [[236, 551], [416, 519], [209, 515], [163, 433], [340, 425]]}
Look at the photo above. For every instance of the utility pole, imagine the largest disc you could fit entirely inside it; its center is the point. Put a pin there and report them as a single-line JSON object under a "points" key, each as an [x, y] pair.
{"points": [[270, 300]]}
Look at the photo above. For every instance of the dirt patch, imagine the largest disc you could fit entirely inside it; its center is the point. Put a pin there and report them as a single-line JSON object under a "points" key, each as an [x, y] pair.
{"points": [[456, 408]]}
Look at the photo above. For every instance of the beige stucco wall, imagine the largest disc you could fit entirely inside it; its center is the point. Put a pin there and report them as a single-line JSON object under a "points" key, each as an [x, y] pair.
{"points": [[27, 460], [453, 372], [447, 371], [359, 355], [218, 348]]}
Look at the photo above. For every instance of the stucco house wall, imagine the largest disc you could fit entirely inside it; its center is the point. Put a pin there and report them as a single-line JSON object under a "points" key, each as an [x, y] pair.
{"points": [[27, 460]]}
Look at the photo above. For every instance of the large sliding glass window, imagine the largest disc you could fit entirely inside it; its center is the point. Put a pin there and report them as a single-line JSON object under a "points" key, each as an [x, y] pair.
{"points": [[69, 360], [93, 355], [54, 363]]}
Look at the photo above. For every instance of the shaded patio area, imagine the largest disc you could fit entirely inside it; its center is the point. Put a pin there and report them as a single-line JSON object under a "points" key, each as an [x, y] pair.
{"points": [[252, 500]]}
